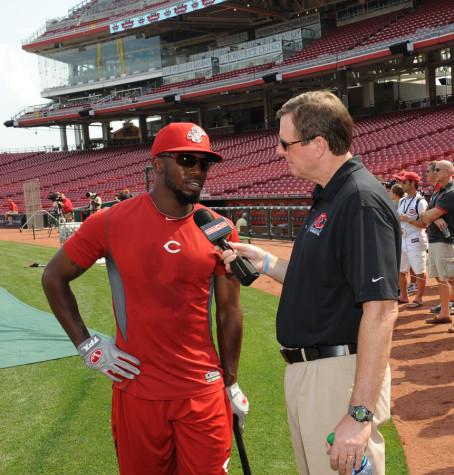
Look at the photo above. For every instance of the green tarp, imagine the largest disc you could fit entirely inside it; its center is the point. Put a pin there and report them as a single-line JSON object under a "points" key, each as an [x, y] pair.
{"points": [[29, 335]]}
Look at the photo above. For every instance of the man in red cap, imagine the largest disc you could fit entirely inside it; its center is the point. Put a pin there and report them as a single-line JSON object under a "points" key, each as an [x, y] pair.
{"points": [[173, 395], [414, 238]]}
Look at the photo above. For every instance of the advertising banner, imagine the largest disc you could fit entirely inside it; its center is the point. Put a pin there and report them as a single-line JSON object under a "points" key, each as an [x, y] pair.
{"points": [[162, 14]]}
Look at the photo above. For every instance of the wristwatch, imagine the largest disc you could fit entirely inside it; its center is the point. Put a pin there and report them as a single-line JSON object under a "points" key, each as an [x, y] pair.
{"points": [[360, 413]]}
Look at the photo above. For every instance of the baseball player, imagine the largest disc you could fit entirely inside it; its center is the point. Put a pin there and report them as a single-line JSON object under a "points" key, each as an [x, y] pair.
{"points": [[173, 395], [414, 237]]}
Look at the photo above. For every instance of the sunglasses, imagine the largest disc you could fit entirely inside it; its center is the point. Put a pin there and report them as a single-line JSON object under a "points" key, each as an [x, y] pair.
{"points": [[285, 145], [187, 160]]}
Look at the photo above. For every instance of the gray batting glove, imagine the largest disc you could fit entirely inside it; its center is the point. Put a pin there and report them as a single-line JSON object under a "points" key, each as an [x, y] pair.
{"points": [[239, 402], [104, 356]]}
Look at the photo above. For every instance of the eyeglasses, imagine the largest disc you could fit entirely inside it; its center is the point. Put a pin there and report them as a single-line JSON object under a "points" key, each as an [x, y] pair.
{"points": [[434, 169], [188, 160], [285, 145]]}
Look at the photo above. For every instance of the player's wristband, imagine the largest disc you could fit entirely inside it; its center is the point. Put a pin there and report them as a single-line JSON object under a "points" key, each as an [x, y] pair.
{"points": [[87, 345], [266, 263]]}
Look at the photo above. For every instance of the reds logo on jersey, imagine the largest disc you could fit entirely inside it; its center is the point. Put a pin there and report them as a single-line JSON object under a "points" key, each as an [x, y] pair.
{"points": [[96, 356], [318, 224], [196, 134], [173, 247]]}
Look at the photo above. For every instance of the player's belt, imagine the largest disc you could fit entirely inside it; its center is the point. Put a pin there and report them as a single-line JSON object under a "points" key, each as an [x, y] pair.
{"points": [[311, 353]]}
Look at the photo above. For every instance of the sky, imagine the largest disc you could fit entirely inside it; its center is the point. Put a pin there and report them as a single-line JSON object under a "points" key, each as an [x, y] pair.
{"points": [[19, 78]]}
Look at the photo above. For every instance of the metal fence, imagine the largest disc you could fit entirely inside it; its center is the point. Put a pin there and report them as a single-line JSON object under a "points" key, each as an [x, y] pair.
{"points": [[271, 222]]}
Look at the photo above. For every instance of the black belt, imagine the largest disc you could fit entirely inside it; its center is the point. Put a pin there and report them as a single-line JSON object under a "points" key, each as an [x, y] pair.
{"points": [[311, 353]]}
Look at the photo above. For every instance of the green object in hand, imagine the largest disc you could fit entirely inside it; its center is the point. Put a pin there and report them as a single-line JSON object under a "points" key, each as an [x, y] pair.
{"points": [[330, 438]]}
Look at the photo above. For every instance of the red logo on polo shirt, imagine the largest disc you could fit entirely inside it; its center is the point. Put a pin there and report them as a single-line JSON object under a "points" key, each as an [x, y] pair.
{"points": [[318, 224]]}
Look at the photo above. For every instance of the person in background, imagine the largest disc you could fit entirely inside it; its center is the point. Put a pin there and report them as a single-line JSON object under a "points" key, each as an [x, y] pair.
{"points": [[12, 210], [431, 176], [440, 220], [414, 238], [241, 222], [396, 193], [66, 207], [124, 194], [95, 203]]}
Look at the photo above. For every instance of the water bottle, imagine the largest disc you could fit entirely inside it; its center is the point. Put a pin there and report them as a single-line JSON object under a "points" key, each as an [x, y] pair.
{"points": [[446, 233], [366, 467]]}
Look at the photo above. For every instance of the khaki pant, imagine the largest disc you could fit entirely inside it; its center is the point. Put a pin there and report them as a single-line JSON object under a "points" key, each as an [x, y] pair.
{"points": [[317, 395], [441, 261]]}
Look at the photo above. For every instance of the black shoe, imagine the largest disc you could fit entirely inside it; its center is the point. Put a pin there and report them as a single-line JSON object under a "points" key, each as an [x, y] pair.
{"points": [[437, 308]]}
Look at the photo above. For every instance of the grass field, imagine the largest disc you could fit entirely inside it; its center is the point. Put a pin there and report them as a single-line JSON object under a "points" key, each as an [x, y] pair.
{"points": [[55, 416]]}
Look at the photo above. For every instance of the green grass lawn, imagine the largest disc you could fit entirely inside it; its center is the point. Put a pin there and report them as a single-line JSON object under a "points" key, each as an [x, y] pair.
{"points": [[55, 416]]}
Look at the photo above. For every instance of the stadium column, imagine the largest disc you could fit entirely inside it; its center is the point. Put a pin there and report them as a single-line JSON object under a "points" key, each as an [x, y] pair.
{"points": [[63, 139], [106, 134], [77, 136], [342, 85], [452, 76], [203, 117], [143, 128], [268, 110], [368, 94], [431, 88], [85, 136]]}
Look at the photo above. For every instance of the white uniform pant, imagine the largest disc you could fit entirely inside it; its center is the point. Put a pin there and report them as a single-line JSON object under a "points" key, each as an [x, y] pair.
{"points": [[416, 258]]}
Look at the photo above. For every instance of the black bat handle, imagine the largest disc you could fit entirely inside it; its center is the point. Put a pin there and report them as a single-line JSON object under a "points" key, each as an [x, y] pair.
{"points": [[240, 445]]}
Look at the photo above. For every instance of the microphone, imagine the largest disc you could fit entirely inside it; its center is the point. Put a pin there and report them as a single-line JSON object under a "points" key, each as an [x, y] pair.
{"points": [[215, 231]]}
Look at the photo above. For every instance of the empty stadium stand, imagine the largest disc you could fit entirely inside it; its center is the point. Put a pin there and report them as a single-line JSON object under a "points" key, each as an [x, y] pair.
{"points": [[431, 14], [345, 38], [405, 139]]}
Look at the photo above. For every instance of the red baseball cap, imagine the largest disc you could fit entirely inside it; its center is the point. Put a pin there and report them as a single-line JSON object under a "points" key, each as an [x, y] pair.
{"points": [[183, 137], [404, 175]]}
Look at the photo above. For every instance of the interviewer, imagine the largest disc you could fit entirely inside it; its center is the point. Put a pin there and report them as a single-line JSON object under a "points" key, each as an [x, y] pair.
{"points": [[338, 303]]}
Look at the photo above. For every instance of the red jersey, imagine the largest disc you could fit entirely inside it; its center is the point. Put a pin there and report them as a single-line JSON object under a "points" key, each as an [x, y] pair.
{"points": [[161, 273], [67, 205], [13, 207]]}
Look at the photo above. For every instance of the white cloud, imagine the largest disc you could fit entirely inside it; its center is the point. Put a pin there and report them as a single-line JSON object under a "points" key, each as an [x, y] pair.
{"points": [[20, 80]]}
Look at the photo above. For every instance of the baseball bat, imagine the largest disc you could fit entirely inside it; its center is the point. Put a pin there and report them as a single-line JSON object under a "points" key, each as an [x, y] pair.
{"points": [[240, 445]]}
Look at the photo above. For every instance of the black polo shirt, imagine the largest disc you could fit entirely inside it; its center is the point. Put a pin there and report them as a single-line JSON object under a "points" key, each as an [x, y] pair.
{"points": [[347, 253], [443, 199]]}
